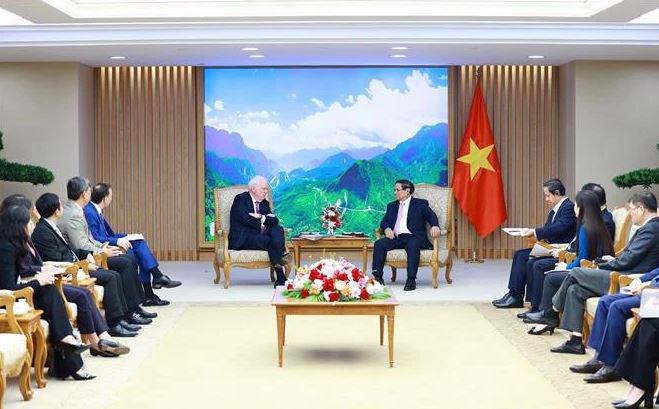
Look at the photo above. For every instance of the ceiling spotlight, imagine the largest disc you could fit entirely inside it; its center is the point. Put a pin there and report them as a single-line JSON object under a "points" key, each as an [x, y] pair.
{"points": [[249, 49], [257, 56], [117, 57], [536, 57], [398, 56], [399, 48]]}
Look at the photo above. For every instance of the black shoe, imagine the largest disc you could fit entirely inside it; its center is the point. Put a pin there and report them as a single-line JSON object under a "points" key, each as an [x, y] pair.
{"points": [[113, 347], [500, 300], [130, 327], [525, 313], [154, 301], [604, 375], [544, 329], [76, 349], [81, 375], [164, 281], [119, 331], [511, 302], [281, 277], [145, 314], [378, 278], [646, 399], [569, 348], [137, 319], [104, 354], [543, 317], [410, 285], [592, 366]]}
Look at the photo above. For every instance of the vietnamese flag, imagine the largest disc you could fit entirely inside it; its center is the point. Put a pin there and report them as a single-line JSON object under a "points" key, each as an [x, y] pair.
{"points": [[477, 182]]}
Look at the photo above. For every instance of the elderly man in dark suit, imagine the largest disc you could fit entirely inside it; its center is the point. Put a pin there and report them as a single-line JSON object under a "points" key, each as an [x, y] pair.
{"points": [[404, 226], [560, 227], [253, 226]]}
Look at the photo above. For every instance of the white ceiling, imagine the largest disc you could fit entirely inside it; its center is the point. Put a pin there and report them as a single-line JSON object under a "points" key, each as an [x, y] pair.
{"points": [[327, 32]]}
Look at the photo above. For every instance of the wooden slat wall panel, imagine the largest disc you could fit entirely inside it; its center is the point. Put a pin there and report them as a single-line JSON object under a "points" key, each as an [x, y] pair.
{"points": [[522, 105], [146, 148]]}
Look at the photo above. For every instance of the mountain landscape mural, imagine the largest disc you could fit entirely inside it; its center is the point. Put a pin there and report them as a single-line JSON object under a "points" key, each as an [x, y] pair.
{"points": [[358, 170]]}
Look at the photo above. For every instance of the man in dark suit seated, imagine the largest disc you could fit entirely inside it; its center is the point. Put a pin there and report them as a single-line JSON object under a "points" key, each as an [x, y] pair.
{"points": [[560, 227], [52, 246], [404, 226], [137, 247], [253, 226], [536, 269]]}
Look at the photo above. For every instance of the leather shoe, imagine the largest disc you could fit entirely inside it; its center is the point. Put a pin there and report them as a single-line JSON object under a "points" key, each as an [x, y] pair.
{"points": [[542, 317], [379, 279], [135, 318], [165, 282], [567, 348], [499, 300], [119, 331], [410, 285], [104, 354], [510, 302], [145, 314], [113, 347], [592, 366], [154, 301], [604, 375], [525, 313], [130, 327]]}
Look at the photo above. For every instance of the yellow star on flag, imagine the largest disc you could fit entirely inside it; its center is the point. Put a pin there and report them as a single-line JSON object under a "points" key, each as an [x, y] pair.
{"points": [[477, 158]]}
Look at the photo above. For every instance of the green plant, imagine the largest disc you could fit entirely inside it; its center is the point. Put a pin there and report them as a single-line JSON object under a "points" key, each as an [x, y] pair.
{"points": [[17, 172], [645, 177]]}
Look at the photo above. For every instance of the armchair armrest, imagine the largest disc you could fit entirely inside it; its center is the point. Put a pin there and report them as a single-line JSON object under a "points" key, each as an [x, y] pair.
{"points": [[566, 256], [378, 233], [101, 260], [588, 264], [7, 301], [26, 293]]}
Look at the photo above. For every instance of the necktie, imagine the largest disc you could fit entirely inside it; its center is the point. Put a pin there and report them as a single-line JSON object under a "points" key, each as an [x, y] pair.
{"points": [[399, 219], [257, 211]]}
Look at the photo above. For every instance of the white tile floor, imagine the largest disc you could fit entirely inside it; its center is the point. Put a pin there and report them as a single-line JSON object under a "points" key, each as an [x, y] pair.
{"points": [[471, 282]]}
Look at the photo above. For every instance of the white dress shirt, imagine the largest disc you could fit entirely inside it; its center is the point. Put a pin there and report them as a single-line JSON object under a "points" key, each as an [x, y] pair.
{"points": [[402, 229]]}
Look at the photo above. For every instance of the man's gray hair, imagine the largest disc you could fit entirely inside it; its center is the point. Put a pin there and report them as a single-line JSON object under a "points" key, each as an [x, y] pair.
{"points": [[76, 186], [256, 180]]}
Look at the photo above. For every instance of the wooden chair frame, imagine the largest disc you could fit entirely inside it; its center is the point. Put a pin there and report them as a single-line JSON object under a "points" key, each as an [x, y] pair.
{"points": [[22, 368]]}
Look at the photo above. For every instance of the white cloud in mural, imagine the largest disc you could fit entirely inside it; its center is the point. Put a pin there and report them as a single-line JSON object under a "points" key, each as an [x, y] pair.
{"points": [[256, 115], [219, 105], [380, 116], [207, 109]]}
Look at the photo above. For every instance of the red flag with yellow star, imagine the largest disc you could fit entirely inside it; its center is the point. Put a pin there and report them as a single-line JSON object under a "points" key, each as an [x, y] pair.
{"points": [[477, 182]]}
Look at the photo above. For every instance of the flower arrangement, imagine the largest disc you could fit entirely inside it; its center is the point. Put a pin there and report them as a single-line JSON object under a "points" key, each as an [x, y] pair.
{"points": [[332, 217], [333, 280]]}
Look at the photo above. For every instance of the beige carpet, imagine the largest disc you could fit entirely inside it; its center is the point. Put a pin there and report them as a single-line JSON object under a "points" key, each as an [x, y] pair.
{"points": [[447, 355]]}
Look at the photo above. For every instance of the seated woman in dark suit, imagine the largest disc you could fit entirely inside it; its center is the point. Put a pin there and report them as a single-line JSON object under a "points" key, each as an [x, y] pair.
{"points": [[637, 363], [13, 249], [91, 323]]}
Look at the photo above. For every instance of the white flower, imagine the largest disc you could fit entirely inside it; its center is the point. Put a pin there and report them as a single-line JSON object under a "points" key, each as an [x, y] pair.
{"points": [[326, 295], [317, 283], [355, 289], [370, 288], [328, 270], [339, 285]]}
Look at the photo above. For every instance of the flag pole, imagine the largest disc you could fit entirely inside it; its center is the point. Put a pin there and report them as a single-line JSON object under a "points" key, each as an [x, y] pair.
{"points": [[473, 258]]}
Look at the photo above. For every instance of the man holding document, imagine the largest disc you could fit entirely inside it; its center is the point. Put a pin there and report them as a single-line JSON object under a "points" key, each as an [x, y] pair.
{"points": [[559, 228]]}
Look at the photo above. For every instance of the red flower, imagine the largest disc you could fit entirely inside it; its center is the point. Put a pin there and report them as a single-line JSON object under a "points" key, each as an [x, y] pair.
{"points": [[328, 285], [304, 293], [364, 295], [356, 274], [342, 277], [334, 297], [289, 286], [314, 275]]}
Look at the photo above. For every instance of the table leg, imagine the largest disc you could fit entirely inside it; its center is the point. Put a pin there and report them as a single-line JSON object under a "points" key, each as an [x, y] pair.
{"points": [[381, 330], [283, 340], [280, 336], [390, 327], [365, 258], [39, 357], [30, 345], [296, 255]]}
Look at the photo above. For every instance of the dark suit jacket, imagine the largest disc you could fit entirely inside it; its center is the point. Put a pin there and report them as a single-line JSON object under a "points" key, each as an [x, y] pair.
{"points": [[562, 228], [99, 227], [610, 224], [51, 246], [241, 224], [641, 253], [11, 259], [418, 215]]}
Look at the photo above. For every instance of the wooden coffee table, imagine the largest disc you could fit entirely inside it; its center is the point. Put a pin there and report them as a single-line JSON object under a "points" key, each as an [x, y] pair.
{"points": [[332, 243], [286, 306]]}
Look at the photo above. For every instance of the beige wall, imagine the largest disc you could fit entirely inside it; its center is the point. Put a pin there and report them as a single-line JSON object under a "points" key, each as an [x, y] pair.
{"points": [[46, 115], [609, 122]]}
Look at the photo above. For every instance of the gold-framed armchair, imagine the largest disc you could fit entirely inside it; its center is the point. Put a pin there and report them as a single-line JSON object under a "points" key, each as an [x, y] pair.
{"points": [[224, 258], [15, 359], [441, 202]]}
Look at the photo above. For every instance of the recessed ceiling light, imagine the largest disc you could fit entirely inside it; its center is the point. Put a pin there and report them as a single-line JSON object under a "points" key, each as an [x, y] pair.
{"points": [[398, 56], [250, 48], [399, 48], [257, 56], [117, 57], [536, 57]]}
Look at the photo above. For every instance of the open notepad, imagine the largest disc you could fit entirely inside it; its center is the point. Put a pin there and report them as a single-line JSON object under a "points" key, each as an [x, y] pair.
{"points": [[513, 231], [132, 237]]}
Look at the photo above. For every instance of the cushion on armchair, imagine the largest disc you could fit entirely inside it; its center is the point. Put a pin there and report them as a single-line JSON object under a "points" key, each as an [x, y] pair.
{"points": [[45, 328], [246, 256], [13, 348]]}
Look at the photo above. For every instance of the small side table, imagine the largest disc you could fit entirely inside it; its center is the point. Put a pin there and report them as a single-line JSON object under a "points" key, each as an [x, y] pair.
{"points": [[332, 243], [36, 341]]}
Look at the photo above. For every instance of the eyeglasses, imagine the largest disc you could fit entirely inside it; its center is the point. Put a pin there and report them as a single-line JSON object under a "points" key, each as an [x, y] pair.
{"points": [[632, 208]]}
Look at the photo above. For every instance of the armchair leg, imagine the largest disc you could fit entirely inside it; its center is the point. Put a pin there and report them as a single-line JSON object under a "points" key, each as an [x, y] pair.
{"points": [[216, 267], [227, 275], [394, 270], [435, 272], [3, 385], [24, 380], [449, 266]]}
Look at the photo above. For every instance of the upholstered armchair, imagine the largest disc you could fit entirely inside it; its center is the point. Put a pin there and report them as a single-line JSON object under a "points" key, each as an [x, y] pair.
{"points": [[441, 202], [224, 258], [15, 358]]}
